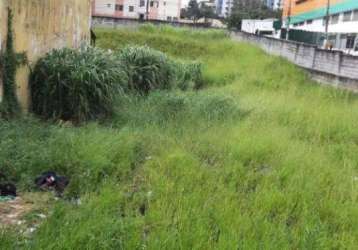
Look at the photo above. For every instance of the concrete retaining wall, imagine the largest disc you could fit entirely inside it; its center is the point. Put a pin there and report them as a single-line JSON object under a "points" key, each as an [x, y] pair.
{"points": [[330, 67]]}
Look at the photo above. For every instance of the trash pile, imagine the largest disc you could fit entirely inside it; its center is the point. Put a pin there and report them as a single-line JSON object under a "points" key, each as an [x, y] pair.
{"points": [[14, 206], [51, 181]]}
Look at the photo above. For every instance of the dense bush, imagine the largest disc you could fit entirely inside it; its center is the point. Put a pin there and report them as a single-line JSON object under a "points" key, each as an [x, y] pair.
{"points": [[148, 69], [75, 85]]}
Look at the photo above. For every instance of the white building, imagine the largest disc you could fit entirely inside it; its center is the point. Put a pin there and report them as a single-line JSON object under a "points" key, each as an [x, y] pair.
{"points": [[259, 27], [165, 10], [223, 7], [310, 16], [342, 29]]}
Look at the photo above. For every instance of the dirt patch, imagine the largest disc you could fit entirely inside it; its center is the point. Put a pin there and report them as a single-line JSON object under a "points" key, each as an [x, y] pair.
{"points": [[12, 211], [26, 211]]}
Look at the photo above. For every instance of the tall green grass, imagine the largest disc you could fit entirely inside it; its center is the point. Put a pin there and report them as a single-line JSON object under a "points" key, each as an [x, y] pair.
{"points": [[77, 85], [263, 158]]}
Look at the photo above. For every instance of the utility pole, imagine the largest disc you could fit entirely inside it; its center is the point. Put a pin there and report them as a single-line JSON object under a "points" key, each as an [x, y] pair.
{"points": [[289, 19], [327, 19]]}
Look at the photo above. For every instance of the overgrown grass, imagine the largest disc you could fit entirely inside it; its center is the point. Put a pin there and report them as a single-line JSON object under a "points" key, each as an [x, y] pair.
{"points": [[80, 85], [76, 85], [263, 158]]}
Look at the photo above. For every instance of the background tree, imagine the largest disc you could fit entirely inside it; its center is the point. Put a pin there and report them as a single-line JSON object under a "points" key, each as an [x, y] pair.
{"points": [[207, 11], [193, 11]]}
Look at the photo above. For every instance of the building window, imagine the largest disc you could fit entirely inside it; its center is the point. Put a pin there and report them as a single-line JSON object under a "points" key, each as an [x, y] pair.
{"points": [[141, 3], [334, 19], [332, 40], [324, 21], [109, 5], [350, 42], [154, 4], [347, 16], [355, 15], [342, 41], [119, 7], [309, 21], [131, 8]]}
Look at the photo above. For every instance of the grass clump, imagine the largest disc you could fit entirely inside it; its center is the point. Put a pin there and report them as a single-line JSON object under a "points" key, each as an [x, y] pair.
{"points": [[76, 85], [189, 75], [148, 69], [177, 108]]}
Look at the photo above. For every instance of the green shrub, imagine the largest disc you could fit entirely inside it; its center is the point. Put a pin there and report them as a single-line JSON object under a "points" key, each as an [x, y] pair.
{"points": [[147, 69], [75, 85]]}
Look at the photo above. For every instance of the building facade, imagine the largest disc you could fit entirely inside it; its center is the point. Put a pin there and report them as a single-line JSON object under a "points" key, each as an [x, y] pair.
{"points": [[311, 16], [165, 10], [274, 4], [40, 26], [223, 7]]}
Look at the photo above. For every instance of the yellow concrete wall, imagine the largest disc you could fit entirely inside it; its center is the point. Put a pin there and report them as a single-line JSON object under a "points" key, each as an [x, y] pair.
{"points": [[42, 25]]}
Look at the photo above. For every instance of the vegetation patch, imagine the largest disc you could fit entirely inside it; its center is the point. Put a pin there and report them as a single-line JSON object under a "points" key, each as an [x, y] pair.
{"points": [[148, 69], [76, 85], [193, 169], [177, 107], [81, 85]]}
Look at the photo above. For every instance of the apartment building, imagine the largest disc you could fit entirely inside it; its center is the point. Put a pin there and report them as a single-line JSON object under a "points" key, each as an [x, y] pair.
{"points": [[223, 7], [274, 4], [165, 10], [310, 15]]}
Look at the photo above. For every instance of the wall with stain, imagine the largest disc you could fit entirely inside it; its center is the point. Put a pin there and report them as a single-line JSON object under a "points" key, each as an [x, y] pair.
{"points": [[42, 25], [3, 30]]}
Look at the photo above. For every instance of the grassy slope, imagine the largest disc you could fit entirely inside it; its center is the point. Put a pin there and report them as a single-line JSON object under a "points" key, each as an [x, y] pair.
{"points": [[261, 159]]}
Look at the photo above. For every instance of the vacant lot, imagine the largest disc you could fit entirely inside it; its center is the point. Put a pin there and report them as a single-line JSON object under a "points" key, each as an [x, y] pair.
{"points": [[260, 158]]}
